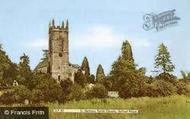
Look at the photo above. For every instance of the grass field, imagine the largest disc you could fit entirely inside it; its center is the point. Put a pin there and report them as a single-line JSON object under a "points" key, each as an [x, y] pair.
{"points": [[174, 107]]}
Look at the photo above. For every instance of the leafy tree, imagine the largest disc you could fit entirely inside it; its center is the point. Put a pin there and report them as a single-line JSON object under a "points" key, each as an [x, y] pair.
{"points": [[182, 88], [8, 98], [100, 76], [80, 78], [125, 77], [162, 60], [8, 70], [76, 92], [85, 67], [16, 94], [167, 77], [24, 69], [22, 93], [37, 96], [98, 91], [185, 76], [65, 85], [160, 88], [107, 83], [51, 90]]}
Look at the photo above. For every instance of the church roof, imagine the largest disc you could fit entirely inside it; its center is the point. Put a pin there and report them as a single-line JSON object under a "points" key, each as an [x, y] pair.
{"points": [[74, 65], [42, 64]]}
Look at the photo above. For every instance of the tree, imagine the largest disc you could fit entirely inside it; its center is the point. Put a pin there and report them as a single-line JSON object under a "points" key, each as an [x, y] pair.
{"points": [[8, 70], [122, 67], [91, 79], [85, 67], [24, 69], [127, 51], [80, 78], [125, 77], [50, 89], [76, 92], [162, 60], [98, 91], [100, 76], [185, 76], [160, 88]]}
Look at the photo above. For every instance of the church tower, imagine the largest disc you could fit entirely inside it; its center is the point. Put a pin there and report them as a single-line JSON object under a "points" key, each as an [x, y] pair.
{"points": [[59, 50]]}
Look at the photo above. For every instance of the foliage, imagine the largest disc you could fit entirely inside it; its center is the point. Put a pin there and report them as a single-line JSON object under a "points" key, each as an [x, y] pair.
{"points": [[76, 93], [50, 88], [80, 78], [185, 76], [24, 69], [162, 60], [167, 77], [182, 88], [91, 79], [160, 88], [85, 67], [127, 51], [100, 76], [125, 77], [8, 70], [16, 95], [98, 91], [37, 96]]}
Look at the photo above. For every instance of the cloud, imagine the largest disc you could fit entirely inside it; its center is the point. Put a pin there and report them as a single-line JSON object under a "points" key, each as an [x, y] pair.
{"points": [[101, 36], [97, 37], [140, 42], [39, 43]]}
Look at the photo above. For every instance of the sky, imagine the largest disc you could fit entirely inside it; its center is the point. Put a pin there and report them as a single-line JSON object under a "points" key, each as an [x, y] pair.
{"points": [[97, 29]]}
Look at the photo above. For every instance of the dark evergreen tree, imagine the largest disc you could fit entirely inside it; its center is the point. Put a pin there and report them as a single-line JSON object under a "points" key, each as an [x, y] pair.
{"points": [[85, 67], [163, 61], [127, 52], [100, 76]]}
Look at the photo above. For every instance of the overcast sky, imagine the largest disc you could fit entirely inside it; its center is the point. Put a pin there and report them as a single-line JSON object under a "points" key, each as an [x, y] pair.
{"points": [[97, 30]]}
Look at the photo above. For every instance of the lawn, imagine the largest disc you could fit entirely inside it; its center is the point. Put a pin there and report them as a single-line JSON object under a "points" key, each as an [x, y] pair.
{"points": [[173, 107]]}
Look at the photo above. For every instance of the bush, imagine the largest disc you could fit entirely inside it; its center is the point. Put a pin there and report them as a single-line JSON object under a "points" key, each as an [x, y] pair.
{"points": [[76, 92], [160, 88], [16, 95], [167, 77], [8, 98], [22, 93], [98, 91], [182, 88], [37, 96]]}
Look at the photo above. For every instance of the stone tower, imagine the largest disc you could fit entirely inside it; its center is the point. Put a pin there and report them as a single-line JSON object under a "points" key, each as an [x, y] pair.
{"points": [[59, 50], [57, 62]]}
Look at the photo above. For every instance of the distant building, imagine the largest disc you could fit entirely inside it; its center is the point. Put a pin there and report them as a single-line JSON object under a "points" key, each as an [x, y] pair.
{"points": [[57, 61]]}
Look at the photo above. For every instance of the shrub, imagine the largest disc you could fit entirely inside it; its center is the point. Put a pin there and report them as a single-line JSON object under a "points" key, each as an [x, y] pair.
{"points": [[76, 92], [182, 88], [37, 96], [160, 88], [98, 91]]}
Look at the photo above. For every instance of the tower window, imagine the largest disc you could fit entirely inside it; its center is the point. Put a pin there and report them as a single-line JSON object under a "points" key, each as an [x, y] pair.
{"points": [[59, 77]]}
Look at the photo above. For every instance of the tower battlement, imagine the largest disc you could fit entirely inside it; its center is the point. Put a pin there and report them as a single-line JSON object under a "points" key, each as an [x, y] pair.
{"points": [[62, 27]]}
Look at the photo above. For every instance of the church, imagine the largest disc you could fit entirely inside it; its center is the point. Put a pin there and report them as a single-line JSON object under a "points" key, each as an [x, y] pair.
{"points": [[57, 61]]}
